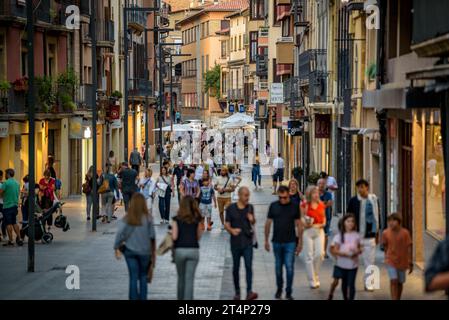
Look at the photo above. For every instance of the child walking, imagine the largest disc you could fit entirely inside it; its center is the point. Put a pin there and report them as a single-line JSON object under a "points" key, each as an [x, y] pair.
{"points": [[346, 248], [207, 195], [398, 254]]}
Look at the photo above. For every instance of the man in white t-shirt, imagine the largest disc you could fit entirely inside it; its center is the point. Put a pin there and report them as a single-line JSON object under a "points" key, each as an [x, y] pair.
{"points": [[278, 172]]}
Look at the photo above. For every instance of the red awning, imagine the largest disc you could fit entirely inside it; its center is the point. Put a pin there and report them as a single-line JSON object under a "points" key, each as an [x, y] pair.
{"points": [[282, 11]]}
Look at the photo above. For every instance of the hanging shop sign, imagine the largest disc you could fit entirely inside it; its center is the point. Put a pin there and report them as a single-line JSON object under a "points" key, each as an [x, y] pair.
{"points": [[116, 124], [322, 126], [114, 112], [4, 129], [277, 93], [295, 128], [285, 121], [76, 128]]}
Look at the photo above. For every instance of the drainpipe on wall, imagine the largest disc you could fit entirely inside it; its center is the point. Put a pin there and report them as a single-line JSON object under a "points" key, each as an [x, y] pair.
{"points": [[382, 119]]}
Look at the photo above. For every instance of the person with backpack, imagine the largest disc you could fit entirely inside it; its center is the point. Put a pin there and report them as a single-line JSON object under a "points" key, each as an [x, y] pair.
{"points": [[346, 247], [108, 189], [164, 185], [136, 240], [128, 179], [224, 187], [87, 190]]}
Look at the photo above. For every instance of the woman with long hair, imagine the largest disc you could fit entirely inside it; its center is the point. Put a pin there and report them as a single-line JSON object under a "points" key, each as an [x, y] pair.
{"points": [[346, 248], [164, 187], [135, 239], [186, 233], [295, 195], [314, 220]]}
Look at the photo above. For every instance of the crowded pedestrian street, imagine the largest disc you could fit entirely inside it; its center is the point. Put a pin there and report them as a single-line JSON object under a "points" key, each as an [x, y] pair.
{"points": [[103, 277]]}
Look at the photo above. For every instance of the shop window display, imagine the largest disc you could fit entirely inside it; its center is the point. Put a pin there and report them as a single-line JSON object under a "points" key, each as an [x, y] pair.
{"points": [[435, 180]]}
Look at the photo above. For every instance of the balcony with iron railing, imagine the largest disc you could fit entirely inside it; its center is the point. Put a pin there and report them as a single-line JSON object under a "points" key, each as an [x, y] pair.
{"points": [[261, 65], [299, 13], [43, 12], [312, 61], [105, 33], [140, 88], [292, 91], [137, 20]]}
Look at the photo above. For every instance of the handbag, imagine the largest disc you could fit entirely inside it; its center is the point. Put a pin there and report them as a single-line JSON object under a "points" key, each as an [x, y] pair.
{"points": [[166, 245], [122, 245], [104, 186]]}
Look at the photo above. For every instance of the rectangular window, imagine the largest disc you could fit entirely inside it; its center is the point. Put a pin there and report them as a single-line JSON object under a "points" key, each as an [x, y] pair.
{"points": [[223, 49], [240, 42], [253, 38], [286, 27], [257, 10]]}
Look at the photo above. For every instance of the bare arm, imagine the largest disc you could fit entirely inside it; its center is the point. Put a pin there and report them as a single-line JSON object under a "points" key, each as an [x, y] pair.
{"points": [[174, 231], [267, 233], [299, 231], [199, 232]]}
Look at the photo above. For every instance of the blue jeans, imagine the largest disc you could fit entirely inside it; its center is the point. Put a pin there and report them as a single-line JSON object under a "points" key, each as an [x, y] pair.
{"points": [[138, 271], [348, 277], [284, 254], [247, 254], [255, 175]]}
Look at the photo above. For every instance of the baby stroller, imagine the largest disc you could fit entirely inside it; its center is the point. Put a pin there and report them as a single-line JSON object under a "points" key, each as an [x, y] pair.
{"points": [[41, 216]]}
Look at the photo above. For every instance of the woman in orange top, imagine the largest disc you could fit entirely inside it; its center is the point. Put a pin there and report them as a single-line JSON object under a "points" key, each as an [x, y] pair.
{"points": [[314, 220]]}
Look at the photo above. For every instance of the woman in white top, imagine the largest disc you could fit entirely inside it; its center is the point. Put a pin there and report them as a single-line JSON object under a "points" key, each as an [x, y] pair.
{"points": [[147, 186], [165, 187]]}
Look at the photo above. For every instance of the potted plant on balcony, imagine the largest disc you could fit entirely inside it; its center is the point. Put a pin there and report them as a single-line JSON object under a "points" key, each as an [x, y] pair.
{"points": [[21, 84], [115, 96], [45, 94], [66, 84]]}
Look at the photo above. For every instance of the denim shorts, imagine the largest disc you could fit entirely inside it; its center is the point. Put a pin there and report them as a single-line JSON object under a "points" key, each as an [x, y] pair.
{"points": [[206, 209], [396, 274]]}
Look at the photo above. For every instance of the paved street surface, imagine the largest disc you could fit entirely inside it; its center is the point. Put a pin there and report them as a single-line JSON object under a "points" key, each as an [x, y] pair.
{"points": [[103, 277]]}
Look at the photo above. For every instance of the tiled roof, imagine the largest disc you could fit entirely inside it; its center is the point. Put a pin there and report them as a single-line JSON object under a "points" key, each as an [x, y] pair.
{"points": [[228, 5]]}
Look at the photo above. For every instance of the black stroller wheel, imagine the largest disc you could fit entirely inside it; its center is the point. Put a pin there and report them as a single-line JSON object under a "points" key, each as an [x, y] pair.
{"points": [[47, 238]]}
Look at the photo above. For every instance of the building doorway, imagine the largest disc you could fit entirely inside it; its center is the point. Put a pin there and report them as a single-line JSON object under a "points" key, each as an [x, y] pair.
{"points": [[405, 129]]}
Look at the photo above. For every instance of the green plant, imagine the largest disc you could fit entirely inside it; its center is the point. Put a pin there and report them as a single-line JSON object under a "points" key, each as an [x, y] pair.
{"points": [[371, 71], [313, 178], [212, 81], [116, 94], [67, 102], [5, 85], [67, 81], [45, 93]]}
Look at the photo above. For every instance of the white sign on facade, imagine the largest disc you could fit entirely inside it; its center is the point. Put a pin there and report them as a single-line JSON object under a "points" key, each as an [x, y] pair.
{"points": [[277, 93], [4, 129]]}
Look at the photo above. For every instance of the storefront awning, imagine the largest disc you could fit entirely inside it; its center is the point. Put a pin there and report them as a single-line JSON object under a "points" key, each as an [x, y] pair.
{"points": [[358, 131]]}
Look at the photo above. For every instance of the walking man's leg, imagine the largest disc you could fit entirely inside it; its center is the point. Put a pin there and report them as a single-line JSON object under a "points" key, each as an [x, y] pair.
{"points": [[236, 254], [289, 261], [277, 250], [248, 257]]}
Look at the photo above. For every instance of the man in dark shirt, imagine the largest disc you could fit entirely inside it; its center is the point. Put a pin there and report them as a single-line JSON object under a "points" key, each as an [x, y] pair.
{"points": [[285, 216], [128, 183], [179, 172], [239, 223]]}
